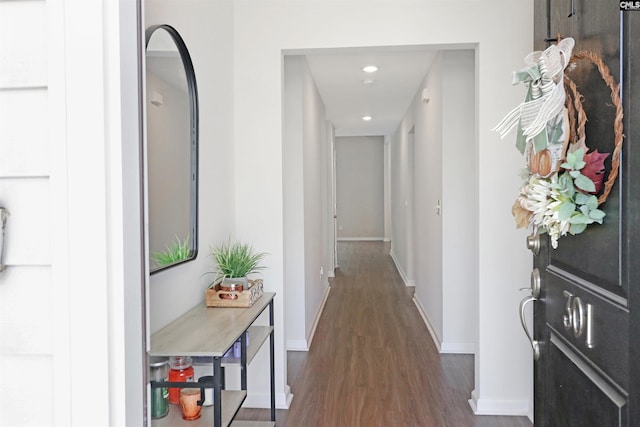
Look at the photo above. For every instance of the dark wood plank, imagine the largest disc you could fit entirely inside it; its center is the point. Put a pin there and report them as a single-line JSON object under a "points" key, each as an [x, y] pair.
{"points": [[372, 361]]}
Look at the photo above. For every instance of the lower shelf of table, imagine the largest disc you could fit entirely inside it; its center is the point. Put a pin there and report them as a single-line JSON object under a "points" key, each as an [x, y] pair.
{"points": [[253, 424], [231, 402]]}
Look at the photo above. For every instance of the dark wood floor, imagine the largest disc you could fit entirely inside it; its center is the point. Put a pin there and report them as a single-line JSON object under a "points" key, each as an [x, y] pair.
{"points": [[372, 361]]}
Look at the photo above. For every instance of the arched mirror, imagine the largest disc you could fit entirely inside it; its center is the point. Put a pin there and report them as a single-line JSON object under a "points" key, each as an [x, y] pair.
{"points": [[171, 106]]}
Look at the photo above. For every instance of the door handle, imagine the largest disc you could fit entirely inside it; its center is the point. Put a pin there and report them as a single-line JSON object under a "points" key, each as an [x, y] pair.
{"points": [[533, 243], [535, 345], [572, 10], [4, 213], [535, 284]]}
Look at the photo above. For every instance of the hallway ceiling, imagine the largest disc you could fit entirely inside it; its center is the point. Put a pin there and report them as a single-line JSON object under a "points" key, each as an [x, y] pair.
{"points": [[339, 77]]}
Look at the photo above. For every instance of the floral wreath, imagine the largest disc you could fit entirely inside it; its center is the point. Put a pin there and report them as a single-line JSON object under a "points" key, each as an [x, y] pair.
{"points": [[563, 179]]}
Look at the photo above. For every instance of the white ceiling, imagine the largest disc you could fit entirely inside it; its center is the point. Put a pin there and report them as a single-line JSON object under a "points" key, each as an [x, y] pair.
{"points": [[338, 75]]}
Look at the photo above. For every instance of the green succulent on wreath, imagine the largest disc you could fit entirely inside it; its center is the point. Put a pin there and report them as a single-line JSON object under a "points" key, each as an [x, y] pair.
{"points": [[561, 203]]}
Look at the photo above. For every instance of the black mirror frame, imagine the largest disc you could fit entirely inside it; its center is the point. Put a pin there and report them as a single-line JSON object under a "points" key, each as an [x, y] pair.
{"points": [[194, 120]]}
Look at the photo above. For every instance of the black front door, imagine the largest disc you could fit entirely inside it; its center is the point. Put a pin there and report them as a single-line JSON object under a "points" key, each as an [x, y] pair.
{"points": [[586, 317]]}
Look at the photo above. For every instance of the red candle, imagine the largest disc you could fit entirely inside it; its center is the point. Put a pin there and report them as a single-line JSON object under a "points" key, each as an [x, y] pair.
{"points": [[181, 371]]}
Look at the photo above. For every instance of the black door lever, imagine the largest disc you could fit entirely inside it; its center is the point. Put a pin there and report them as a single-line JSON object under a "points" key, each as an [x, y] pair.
{"points": [[572, 11]]}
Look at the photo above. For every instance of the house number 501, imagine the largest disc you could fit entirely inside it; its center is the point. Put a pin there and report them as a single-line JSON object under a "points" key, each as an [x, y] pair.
{"points": [[578, 318]]}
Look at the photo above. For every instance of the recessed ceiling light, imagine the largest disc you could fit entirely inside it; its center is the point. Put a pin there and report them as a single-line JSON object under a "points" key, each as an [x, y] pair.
{"points": [[368, 82], [370, 69], [366, 118]]}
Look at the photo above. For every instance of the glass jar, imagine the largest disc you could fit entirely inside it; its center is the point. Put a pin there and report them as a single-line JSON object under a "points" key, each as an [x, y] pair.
{"points": [[181, 371], [158, 370]]}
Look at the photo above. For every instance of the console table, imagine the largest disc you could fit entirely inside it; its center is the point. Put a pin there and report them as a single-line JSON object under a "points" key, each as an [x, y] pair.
{"points": [[206, 334]]}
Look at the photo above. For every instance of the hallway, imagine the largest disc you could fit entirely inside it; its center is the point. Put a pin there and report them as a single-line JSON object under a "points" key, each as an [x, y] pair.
{"points": [[372, 361]]}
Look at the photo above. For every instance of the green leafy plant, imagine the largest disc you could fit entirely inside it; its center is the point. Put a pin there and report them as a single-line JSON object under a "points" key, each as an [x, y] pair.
{"points": [[235, 260], [174, 252], [561, 203], [577, 206]]}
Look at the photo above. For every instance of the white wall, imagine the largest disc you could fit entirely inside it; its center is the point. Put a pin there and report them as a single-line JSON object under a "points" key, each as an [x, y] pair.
{"points": [[330, 203], [306, 196], [427, 120], [293, 187], [430, 177], [459, 203], [73, 244], [263, 29], [446, 246], [315, 160], [387, 188], [206, 28], [402, 152], [128, 362], [26, 288], [360, 187]]}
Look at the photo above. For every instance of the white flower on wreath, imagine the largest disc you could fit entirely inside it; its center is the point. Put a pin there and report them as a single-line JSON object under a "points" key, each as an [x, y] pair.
{"points": [[543, 201]]}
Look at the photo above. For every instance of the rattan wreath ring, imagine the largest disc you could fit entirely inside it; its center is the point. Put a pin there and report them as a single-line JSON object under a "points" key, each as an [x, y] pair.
{"points": [[578, 118]]}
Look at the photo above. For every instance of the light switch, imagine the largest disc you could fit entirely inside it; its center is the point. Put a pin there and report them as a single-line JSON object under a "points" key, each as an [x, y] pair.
{"points": [[156, 98], [4, 213]]}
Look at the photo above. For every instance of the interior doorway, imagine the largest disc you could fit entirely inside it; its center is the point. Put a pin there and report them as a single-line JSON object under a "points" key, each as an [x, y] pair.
{"points": [[431, 159]]}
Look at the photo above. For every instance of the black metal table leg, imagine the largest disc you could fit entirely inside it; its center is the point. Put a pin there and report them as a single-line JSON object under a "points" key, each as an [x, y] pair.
{"points": [[217, 391], [243, 360], [272, 364]]}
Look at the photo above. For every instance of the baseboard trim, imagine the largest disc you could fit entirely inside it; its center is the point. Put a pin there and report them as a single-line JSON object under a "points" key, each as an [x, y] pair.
{"points": [[297, 345], [316, 319], [405, 279], [427, 322], [360, 239], [458, 348], [508, 407], [303, 345], [263, 400]]}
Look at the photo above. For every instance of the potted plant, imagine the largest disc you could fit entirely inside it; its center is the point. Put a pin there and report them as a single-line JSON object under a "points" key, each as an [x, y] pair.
{"points": [[174, 252], [234, 262]]}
